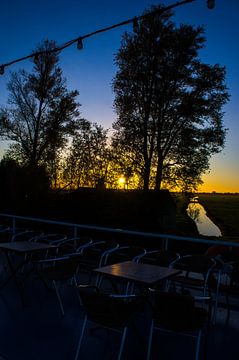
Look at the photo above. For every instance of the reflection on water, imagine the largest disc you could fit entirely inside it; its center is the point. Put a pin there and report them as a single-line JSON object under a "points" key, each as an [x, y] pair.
{"points": [[205, 226]]}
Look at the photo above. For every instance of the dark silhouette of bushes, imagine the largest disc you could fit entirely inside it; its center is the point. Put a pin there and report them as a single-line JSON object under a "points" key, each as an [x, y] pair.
{"points": [[21, 185]]}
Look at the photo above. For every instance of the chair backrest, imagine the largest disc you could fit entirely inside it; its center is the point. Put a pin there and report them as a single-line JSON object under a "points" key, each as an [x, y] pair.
{"points": [[124, 253], [93, 255], [113, 311], [53, 238], [28, 235], [196, 263], [73, 245], [160, 258]]}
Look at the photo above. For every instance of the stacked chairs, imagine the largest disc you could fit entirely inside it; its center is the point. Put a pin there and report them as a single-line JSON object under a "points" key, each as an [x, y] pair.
{"points": [[176, 313], [109, 311]]}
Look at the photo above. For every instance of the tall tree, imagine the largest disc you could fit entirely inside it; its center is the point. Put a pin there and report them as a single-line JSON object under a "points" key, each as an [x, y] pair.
{"points": [[88, 159], [168, 102], [42, 113]]}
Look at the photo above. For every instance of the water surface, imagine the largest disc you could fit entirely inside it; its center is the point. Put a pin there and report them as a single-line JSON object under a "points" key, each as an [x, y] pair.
{"points": [[204, 225]]}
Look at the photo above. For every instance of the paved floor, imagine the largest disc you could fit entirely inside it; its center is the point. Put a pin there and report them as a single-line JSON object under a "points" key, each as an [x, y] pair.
{"points": [[39, 331]]}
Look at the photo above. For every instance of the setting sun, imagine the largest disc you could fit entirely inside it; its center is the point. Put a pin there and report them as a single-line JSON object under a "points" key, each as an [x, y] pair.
{"points": [[121, 180]]}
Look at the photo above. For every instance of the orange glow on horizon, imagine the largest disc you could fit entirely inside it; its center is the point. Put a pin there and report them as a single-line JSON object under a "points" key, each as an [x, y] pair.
{"points": [[219, 184]]}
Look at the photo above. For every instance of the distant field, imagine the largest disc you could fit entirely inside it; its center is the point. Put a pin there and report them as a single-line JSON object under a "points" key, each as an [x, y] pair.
{"points": [[224, 211]]}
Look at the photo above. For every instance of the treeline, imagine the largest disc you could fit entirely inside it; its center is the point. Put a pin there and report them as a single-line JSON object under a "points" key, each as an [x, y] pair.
{"points": [[169, 116]]}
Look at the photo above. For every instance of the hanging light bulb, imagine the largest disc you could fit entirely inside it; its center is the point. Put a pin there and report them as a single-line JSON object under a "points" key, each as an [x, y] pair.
{"points": [[211, 4], [135, 24], [79, 44], [1, 69]]}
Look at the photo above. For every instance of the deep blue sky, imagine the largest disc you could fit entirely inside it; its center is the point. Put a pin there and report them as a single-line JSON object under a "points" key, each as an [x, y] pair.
{"points": [[25, 23]]}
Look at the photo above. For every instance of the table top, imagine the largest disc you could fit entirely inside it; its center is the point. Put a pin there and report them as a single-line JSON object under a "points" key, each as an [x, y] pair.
{"points": [[24, 246], [138, 272]]}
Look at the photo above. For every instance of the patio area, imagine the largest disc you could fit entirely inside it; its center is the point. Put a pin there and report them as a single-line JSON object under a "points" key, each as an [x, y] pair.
{"points": [[39, 331], [36, 329]]}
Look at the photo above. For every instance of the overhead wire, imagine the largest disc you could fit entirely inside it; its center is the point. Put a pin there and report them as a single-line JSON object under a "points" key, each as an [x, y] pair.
{"points": [[79, 39]]}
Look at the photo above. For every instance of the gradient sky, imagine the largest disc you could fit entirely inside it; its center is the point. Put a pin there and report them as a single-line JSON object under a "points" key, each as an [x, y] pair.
{"points": [[25, 23]]}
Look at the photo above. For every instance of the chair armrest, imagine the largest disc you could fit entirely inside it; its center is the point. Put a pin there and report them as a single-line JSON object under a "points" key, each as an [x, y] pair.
{"points": [[202, 298], [85, 287], [46, 261]]}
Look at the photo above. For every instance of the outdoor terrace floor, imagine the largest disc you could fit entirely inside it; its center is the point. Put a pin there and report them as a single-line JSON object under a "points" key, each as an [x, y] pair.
{"points": [[39, 331]]}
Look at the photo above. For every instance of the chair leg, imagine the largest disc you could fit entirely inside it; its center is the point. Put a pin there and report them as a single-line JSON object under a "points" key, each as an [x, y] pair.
{"points": [[122, 343], [216, 299], [81, 337], [150, 339], [198, 345], [58, 297], [77, 292]]}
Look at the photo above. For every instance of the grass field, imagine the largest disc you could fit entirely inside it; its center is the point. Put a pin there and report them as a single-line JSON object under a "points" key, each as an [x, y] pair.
{"points": [[223, 209]]}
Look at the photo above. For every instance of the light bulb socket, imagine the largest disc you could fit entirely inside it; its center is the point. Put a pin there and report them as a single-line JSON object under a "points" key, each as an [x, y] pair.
{"points": [[79, 44], [211, 4]]}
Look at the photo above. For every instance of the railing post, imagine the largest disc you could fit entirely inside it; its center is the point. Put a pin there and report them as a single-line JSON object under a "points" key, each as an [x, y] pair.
{"points": [[13, 225], [75, 231], [165, 244]]}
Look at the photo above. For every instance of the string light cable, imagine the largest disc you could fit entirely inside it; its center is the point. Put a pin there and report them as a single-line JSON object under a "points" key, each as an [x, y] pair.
{"points": [[79, 39]]}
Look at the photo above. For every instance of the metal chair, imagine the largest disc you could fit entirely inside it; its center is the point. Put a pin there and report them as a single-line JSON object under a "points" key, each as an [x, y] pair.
{"points": [[52, 238], [124, 253], [73, 245], [120, 254], [195, 272], [94, 254], [113, 312], [28, 235], [160, 258], [58, 270], [178, 314]]}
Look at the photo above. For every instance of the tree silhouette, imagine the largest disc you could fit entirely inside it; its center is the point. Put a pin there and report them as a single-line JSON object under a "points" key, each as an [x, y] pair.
{"points": [[88, 159], [168, 102], [42, 113]]}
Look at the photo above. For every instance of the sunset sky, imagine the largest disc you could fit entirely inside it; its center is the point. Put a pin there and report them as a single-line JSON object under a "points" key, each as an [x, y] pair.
{"points": [[25, 23]]}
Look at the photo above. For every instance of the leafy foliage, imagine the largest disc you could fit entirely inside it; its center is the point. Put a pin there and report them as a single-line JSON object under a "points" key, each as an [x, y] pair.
{"points": [[42, 113], [169, 103], [88, 160]]}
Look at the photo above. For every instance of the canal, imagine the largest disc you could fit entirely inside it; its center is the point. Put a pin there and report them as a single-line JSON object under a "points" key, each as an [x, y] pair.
{"points": [[204, 225]]}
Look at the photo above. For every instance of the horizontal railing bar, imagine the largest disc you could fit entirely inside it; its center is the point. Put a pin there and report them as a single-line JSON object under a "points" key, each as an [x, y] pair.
{"points": [[126, 232]]}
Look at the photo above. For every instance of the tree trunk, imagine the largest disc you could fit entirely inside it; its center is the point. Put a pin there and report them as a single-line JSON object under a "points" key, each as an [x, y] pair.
{"points": [[159, 175], [146, 175]]}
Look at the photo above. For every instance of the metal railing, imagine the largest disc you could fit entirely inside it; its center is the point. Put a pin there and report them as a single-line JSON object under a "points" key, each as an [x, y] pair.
{"points": [[76, 227]]}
